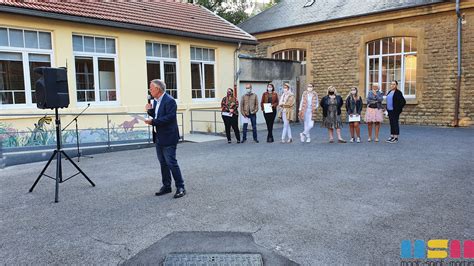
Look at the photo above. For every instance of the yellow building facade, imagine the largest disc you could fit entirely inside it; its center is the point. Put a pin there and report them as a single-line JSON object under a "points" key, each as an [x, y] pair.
{"points": [[110, 69]]}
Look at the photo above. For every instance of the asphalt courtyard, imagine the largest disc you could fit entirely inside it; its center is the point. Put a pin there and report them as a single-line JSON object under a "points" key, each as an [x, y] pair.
{"points": [[315, 203]]}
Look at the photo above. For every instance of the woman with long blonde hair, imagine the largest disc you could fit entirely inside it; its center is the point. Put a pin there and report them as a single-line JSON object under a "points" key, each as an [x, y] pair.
{"points": [[374, 112], [308, 111], [286, 104]]}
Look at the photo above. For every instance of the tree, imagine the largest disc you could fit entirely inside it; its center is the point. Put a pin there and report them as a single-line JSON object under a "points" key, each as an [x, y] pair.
{"points": [[234, 15], [232, 11], [209, 4], [265, 7]]}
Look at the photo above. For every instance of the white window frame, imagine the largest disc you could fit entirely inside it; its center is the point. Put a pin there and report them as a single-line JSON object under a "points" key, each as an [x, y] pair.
{"points": [[95, 63], [299, 56], [162, 61], [380, 56], [203, 75], [26, 67]]}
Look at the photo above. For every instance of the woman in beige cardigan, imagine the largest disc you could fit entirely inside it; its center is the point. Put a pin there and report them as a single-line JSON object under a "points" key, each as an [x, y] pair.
{"points": [[308, 109], [286, 104]]}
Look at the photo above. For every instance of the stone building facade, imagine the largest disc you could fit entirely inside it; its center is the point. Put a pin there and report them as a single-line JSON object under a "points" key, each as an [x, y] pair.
{"points": [[337, 54]]}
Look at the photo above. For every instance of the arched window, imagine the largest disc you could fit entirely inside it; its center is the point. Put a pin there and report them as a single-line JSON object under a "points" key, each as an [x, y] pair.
{"points": [[392, 58], [293, 55]]}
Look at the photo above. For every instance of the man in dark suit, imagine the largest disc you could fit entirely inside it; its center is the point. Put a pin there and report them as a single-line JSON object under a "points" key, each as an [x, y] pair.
{"points": [[166, 136]]}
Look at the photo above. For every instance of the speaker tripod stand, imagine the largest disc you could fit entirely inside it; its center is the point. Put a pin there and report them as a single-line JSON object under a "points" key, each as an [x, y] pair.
{"points": [[58, 154]]}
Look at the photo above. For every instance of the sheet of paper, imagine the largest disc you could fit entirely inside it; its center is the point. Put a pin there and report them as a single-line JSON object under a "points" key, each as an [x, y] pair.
{"points": [[141, 118], [267, 108], [354, 118]]}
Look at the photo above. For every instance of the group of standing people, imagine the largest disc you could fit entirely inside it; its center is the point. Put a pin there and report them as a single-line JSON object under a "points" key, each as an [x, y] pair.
{"points": [[271, 105], [162, 118], [282, 105], [375, 111]]}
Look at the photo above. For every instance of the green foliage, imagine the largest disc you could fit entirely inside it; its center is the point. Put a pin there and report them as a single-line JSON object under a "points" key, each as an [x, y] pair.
{"points": [[265, 7], [212, 5], [236, 16], [232, 11]]}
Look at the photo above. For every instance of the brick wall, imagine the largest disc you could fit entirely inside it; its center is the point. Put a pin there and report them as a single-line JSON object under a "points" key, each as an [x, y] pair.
{"points": [[336, 59]]}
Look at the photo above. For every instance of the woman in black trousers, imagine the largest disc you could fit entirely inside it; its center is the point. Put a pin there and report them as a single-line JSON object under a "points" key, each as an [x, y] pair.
{"points": [[270, 97], [395, 104], [230, 114]]}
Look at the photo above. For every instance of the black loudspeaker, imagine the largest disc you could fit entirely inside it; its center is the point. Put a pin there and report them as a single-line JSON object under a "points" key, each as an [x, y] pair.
{"points": [[51, 88]]}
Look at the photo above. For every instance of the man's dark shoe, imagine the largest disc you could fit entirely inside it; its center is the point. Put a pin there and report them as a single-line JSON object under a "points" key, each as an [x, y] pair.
{"points": [[243, 141], [180, 192], [163, 191], [256, 140]]}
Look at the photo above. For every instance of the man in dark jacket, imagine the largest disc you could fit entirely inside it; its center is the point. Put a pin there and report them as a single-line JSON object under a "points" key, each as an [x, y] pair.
{"points": [[166, 135], [395, 104]]}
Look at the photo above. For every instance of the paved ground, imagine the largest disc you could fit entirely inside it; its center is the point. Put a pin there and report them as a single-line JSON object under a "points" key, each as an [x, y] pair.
{"points": [[316, 204]]}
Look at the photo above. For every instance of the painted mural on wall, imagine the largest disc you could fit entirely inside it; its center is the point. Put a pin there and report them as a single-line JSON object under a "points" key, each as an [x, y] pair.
{"points": [[43, 133]]}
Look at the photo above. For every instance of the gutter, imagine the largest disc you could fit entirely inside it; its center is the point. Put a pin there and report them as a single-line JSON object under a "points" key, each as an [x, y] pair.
{"points": [[459, 72], [122, 25]]}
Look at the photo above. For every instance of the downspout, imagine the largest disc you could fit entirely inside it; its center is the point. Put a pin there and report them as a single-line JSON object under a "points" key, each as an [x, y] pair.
{"points": [[459, 72], [236, 68]]}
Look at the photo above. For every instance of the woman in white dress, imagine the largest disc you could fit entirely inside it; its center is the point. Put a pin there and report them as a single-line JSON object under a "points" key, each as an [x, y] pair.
{"points": [[308, 110], [286, 104]]}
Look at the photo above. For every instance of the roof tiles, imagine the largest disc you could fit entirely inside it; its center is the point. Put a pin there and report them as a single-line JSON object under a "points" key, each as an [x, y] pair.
{"points": [[168, 16]]}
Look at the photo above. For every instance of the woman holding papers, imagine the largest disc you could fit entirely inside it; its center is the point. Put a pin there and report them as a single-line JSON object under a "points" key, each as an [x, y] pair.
{"points": [[230, 114], [331, 105], [269, 104], [308, 106], [354, 109], [287, 102], [374, 113]]}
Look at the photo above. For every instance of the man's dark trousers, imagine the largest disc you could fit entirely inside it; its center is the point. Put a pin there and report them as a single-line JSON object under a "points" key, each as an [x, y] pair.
{"points": [[166, 136], [169, 165], [253, 120]]}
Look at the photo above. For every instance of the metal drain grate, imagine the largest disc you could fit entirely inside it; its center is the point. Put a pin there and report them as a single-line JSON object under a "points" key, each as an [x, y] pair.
{"points": [[218, 259]]}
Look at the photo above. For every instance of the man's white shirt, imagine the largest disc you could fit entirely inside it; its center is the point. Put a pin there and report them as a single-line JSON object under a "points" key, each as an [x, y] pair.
{"points": [[158, 102]]}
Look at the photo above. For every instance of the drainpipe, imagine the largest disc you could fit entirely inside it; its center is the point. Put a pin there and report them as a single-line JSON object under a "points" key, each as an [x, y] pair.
{"points": [[458, 81], [236, 68]]}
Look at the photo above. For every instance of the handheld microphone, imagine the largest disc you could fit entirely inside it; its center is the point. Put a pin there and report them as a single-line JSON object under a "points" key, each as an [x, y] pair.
{"points": [[148, 99]]}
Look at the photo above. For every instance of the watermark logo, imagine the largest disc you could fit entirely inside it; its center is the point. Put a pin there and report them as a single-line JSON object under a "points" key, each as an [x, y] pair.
{"points": [[437, 249]]}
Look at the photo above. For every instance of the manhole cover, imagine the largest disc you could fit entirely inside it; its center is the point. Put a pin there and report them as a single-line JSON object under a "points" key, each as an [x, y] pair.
{"points": [[202, 259]]}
